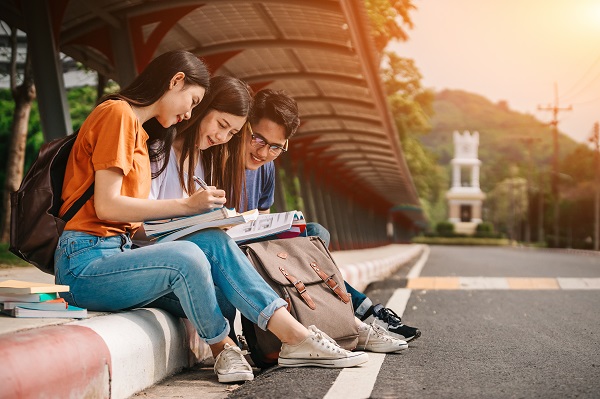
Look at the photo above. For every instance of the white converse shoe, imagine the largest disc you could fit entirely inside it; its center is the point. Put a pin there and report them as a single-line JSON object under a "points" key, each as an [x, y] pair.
{"points": [[374, 338], [231, 366], [318, 349]]}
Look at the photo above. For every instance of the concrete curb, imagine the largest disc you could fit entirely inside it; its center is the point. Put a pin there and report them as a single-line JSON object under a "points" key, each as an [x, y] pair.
{"points": [[361, 267], [119, 354]]}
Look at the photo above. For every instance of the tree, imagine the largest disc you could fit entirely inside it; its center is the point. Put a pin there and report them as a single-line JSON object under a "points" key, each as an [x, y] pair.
{"points": [[410, 104], [24, 95], [388, 20]]}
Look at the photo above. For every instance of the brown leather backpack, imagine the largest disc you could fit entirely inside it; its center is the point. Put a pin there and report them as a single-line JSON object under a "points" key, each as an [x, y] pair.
{"points": [[302, 271], [34, 223]]}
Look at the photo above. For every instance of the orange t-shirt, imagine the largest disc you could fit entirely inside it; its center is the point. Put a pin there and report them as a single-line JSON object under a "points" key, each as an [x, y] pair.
{"points": [[111, 136]]}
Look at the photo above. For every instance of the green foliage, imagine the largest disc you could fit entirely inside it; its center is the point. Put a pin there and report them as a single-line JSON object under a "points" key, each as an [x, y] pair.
{"points": [[503, 136], [8, 259], [81, 101], [389, 18], [445, 229], [484, 227]]}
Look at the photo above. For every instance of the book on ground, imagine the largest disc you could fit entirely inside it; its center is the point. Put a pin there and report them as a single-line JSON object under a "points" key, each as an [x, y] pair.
{"points": [[54, 304], [28, 287], [72, 312], [270, 226], [28, 297], [171, 235]]}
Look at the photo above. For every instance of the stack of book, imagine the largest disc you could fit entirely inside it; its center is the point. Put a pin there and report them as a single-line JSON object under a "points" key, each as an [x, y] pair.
{"points": [[172, 229], [30, 299]]}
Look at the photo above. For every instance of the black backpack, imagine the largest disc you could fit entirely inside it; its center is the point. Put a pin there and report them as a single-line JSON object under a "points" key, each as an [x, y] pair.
{"points": [[34, 223]]}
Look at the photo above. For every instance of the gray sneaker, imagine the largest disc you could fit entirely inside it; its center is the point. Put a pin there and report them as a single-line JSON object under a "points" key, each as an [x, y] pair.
{"points": [[231, 366], [319, 350], [374, 338]]}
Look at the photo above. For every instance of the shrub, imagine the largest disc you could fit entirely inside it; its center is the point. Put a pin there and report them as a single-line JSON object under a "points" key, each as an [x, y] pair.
{"points": [[445, 229]]}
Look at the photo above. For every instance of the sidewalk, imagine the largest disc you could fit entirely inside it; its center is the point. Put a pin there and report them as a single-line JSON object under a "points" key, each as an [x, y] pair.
{"points": [[118, 354]]}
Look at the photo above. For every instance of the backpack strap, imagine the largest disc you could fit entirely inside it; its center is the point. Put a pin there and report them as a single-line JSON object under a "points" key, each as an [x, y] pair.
{"points": [[78, 204], [300, 287], [330, 282]]}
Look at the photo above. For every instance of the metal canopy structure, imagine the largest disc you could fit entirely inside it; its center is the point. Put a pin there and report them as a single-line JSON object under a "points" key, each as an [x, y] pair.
{"points": [[318, 51]]}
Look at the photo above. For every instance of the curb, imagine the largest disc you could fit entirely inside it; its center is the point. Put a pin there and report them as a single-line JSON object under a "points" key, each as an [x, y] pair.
{"points": [[361, 273], [116, 355]]}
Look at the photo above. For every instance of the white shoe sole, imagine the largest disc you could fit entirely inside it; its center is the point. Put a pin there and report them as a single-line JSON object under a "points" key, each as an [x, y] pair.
{"points": [[355, 359], [234, 377], [383, 350]]}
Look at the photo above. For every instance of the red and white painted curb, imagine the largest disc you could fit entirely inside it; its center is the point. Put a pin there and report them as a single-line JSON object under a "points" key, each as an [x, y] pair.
{"points": [[119, 354]]}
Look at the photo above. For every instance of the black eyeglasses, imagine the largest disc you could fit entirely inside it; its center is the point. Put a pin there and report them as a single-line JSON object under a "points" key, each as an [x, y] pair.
{"points": [[258, 141]]}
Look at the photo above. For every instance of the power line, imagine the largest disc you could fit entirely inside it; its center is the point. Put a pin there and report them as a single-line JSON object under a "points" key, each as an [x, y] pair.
{"points": [[566, 93]]}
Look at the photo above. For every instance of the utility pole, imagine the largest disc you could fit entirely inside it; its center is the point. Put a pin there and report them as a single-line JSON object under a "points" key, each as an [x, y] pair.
{"points": [[595, 139], [555, 191], [529, 142]]}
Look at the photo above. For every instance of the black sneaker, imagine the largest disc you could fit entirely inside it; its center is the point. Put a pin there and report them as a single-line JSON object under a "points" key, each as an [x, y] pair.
{"points": [[388, 319]]}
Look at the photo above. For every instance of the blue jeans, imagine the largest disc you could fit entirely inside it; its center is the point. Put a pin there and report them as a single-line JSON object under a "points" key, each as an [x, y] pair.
{"points": [[360, 302], [104, 274], [238, 283]]}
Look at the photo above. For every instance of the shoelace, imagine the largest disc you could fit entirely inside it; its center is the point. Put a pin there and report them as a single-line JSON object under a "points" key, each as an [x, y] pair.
{"points": [[321, 336], [235, 357], [390, 317], [379, 332]]}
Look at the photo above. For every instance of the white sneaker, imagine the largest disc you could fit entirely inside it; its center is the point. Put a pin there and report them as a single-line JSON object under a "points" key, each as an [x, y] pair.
{"points": [[231, 366], [318, 349], [374, 338]]}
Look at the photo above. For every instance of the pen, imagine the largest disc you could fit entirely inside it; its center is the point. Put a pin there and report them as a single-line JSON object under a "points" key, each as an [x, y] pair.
{"points": [[201, 182]]}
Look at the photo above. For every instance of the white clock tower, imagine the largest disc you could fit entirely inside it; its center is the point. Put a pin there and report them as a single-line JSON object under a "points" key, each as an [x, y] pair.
{"points": [[465, 197]]}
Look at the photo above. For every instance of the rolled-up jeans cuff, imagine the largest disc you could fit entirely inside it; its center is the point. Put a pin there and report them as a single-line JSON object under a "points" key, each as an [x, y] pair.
{"points": [[265, 315], [219, 337], [364, 306]]}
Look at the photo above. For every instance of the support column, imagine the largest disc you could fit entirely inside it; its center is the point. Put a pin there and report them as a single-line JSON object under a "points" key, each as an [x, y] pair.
{"points": [[125, 65], [456, 175], [47, 70]]}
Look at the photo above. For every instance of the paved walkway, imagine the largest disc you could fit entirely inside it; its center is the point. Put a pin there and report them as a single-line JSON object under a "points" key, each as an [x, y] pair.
{"points": [[118, 354]]}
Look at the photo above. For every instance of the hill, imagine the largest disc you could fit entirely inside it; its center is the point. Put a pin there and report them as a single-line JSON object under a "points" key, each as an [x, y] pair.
{"points": [[502, 135]]}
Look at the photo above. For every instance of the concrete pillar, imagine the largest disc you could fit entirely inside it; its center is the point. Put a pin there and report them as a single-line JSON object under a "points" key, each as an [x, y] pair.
{"points": [[475, 176], [47, 70], [456, 175], [121, 43]]}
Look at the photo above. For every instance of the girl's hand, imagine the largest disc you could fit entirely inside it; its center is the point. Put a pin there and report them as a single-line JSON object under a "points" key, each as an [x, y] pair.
{"points": [[207, 200]]}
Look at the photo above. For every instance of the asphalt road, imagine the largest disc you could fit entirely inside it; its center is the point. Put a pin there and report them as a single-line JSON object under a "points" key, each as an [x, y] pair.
{"points": [[496, 323]]}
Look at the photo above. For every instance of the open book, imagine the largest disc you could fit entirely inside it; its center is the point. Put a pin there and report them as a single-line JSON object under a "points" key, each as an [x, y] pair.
{"points": [[270, 226], [173, 229]]}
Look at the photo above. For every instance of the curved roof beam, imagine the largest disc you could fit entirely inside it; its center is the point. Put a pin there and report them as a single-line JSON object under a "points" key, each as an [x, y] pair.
{"points": [[296, 75], [370, 120], [338, 100], [89, 22], [272, 43], [321, 132]]}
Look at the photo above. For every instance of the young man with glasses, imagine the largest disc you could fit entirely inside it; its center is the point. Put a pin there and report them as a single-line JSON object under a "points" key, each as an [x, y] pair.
{"points": [[273, 121]]}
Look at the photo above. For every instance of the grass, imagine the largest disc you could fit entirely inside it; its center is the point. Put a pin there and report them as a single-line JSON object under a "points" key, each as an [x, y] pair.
{"points": [[8, 259]]}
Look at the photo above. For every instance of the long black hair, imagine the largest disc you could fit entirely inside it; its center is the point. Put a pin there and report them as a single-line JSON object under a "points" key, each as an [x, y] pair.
{"points": [[224, 165], [151, 84]]}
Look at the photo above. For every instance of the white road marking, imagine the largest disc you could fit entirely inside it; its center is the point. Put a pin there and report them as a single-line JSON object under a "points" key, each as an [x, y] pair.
{"points": [[416, 269], [358, 382]]}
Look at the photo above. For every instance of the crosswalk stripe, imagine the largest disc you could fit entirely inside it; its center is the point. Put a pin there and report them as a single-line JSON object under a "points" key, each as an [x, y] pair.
{"points": [[502, 283], [358, 382]]}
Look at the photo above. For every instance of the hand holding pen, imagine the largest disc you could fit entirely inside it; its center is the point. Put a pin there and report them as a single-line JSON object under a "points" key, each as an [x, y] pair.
{"points": [[200, 182], [208, 198]]}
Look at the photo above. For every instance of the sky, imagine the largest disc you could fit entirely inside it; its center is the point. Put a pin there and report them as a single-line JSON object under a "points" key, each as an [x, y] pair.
{"points": [[513, 50]]}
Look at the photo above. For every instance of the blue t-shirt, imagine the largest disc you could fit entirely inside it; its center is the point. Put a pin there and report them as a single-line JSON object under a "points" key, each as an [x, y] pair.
{"points": [[260, 187]]}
